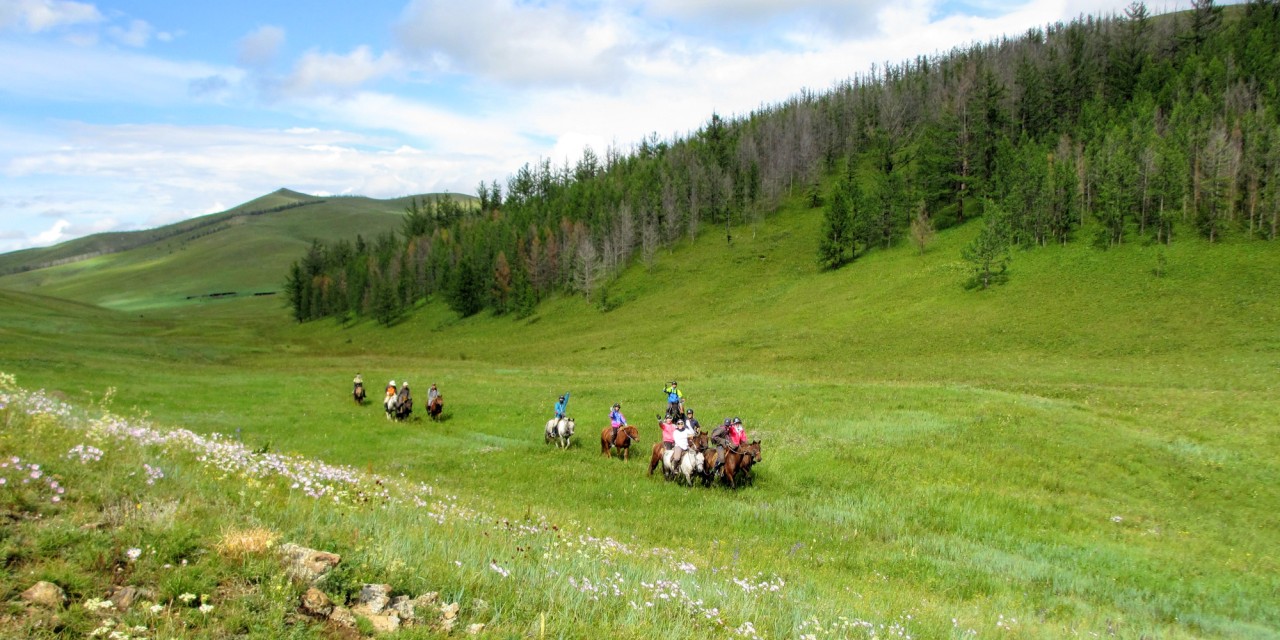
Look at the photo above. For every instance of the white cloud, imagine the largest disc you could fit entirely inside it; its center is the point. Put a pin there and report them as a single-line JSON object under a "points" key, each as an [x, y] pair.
{"points": [[517, 43], [35, 16], [51, 73], [320, 73], [136, 35], [52, 235], [260, 47]]}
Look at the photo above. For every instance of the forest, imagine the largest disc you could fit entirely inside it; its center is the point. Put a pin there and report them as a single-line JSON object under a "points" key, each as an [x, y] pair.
{"points": [[1106, 130]]}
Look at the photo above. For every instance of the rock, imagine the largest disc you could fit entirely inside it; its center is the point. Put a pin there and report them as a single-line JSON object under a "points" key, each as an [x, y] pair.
{"points": [[426, 599], [375, 597], [307, 565], [384, 624], [404, 607], [475, 629], [316, 603], [124, 597], [45, 594], [449, 611], [342, 617]]}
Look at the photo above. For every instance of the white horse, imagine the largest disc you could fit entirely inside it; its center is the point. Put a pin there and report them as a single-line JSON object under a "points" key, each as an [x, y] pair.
{"points": [[691, 464], [560, 430]]}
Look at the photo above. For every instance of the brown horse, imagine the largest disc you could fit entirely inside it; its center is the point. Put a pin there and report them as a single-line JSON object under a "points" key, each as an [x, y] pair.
{"points": [[626, 435], [357, 393], [435, 407], [739, 463]]}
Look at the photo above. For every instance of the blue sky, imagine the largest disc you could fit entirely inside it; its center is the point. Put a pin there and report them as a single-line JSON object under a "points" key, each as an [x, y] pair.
{"points": [[130, 114]]}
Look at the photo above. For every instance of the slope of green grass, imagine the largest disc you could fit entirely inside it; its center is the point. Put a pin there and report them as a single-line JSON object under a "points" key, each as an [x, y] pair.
{"points": [[1086, 448], [225, 252]]}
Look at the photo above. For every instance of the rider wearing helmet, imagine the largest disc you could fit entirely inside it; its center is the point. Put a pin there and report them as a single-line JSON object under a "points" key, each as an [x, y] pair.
{"points": [[616, 420], [692, 422], [737, 433], [680, 442], [561, 405], [675, 399], [721, 439]]}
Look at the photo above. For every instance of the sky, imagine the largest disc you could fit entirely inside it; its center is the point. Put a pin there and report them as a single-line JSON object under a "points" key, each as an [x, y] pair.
{"points": [[131, 114]]}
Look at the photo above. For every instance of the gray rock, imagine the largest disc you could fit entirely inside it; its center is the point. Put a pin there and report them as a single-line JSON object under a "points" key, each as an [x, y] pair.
{"points": [[375, 597]]}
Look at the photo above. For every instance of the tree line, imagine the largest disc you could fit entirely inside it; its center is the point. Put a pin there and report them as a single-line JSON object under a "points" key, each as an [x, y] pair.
{"points": [[1104, 129]]}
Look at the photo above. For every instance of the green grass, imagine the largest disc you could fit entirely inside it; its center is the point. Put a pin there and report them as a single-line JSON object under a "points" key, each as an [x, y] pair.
{"points": [[243, 255], [1085, 448]]}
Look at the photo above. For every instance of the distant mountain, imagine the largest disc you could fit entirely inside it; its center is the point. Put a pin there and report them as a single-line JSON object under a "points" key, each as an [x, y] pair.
{"points": [[241, 251]]}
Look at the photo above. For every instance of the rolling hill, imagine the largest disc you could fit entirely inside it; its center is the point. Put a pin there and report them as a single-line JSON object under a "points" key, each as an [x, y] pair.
{"points": [[241, 251]]}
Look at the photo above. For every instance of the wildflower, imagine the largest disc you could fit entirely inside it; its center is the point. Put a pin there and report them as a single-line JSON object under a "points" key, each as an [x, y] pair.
{"points": [[133, 553], [187, 597], [206, 608], [157, 608]]}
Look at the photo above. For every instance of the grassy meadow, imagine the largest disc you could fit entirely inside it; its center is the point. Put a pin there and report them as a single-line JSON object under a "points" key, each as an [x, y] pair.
{"points": [[1088, 450]]}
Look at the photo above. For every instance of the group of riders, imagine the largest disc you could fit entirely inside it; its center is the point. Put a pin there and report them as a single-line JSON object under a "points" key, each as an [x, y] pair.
{"points": [[398, 401], [681, 433]]}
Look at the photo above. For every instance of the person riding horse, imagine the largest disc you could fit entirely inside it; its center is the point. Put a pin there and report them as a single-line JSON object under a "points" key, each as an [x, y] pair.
{"points": [[729, 435], [404, 402], [692, 422], [389, 400], [616, 419], [357, 388], [561, 405], [675, 400], [680, 442]]}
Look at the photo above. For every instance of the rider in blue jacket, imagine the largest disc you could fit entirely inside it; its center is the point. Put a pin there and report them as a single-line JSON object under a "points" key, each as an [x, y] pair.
{"points": [[560, 406]]}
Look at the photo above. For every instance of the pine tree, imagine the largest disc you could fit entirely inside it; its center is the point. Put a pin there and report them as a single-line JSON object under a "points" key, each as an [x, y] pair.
{"points": [[988, 254], [837, 228]]}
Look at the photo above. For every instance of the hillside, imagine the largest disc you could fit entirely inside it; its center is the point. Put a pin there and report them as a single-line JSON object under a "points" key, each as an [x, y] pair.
{"points": [[1057, 450], [244, 250]]}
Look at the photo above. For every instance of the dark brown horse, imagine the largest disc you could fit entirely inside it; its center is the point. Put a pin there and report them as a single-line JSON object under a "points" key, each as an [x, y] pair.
{"points": [[626, 435], [358, 393], [436, 407], [737, 463]]}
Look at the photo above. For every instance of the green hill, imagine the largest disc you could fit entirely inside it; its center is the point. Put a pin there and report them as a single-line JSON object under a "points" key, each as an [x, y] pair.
{"points": [[1058, 450], [242, 251]]}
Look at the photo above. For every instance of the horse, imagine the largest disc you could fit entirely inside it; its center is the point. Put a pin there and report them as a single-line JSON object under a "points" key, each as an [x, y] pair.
{"points": [[436, 407], [738, 463], [560, 430], [358, 393], [400, 406], [626, 435], [691, 465]]}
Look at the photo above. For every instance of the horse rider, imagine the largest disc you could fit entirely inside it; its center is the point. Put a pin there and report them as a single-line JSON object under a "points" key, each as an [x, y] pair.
{"points": [[722, 440], [675, 399], [737, 433], [432, 394], [616, 420], [357, 385], [668, 427], [388, 400], [403, 397], [561, 405], [692, 422], [680, 442]]}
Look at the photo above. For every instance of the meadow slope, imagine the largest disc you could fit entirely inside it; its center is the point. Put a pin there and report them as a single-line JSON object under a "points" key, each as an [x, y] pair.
{"points": [[1087, 448]]}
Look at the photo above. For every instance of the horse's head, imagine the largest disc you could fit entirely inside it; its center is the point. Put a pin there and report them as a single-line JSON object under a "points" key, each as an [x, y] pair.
{"points": [[753, 450], [568, 426]]}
